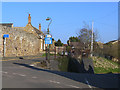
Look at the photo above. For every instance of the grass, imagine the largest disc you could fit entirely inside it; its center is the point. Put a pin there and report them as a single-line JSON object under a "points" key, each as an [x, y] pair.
{"points": [[103, 65], [50, 55], [115, 63], [63, 64], [45, 54], [100, 70]]}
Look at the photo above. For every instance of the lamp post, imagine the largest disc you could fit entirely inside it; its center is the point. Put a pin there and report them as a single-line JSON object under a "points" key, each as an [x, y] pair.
{"points": [[48, 18], [47, 49]]}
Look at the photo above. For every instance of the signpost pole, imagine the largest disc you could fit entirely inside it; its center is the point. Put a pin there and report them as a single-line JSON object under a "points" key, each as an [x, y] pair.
{"points": [[4, 41], [48, 40], [55, 52], [48, 53], [48, 37]]}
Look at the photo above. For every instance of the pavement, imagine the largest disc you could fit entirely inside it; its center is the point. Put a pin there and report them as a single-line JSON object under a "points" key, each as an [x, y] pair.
{"points": [[21, 74]]}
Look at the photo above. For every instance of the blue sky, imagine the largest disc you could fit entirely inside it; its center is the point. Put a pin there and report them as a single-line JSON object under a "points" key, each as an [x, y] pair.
{"points": [[67, 17]]}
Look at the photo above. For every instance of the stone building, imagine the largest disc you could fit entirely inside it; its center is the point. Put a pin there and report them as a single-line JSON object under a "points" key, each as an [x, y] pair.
{"points": [[22, 41]]}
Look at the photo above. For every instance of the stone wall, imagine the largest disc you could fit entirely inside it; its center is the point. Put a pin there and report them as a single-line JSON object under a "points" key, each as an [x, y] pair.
{"points": [[1, 42], [59, 49], [20, 42]]}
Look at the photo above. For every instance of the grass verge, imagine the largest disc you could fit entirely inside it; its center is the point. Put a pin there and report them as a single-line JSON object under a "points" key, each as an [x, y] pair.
{"points": [[63, 64], [103, 65], [50, 55]]}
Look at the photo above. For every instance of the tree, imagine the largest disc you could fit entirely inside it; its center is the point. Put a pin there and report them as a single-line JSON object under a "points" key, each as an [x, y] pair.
{"points": [[68, 48], [58, 43], [84, 39], [73, 39], [85, 36], [82, 42], [68, 42], [98, 48]]}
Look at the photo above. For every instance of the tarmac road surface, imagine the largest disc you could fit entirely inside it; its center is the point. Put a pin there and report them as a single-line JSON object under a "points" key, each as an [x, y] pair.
{"points": [[19, 74]]}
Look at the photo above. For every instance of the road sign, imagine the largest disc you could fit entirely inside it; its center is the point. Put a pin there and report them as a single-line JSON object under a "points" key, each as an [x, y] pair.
{"points": [[6, 36], [48, 36], [48, 40]]}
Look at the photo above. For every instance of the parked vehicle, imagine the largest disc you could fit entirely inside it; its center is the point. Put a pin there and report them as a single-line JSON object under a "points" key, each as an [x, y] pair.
{"points": [[66, 53], [62, 53]]}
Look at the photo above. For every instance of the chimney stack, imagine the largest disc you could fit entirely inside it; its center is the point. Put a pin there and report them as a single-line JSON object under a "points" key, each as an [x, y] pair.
{"points": [[29, 19], [40, 27]]}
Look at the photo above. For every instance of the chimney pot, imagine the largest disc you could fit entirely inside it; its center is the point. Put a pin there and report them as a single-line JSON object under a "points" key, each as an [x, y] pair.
{"points": [[40, 27], [29, 19]]}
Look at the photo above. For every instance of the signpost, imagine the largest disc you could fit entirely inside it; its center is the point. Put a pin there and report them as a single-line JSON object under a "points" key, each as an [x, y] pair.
{"points": [[4, 42], [48, 35], [48, 40]]}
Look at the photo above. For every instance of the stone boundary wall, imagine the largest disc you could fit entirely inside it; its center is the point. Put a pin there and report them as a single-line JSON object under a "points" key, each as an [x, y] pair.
{"points": [[20, 42], [1, 42], [60, 49]]}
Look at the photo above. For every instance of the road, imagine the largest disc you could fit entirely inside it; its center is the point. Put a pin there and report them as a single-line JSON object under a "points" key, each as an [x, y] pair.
{"points": [[19, 74]]}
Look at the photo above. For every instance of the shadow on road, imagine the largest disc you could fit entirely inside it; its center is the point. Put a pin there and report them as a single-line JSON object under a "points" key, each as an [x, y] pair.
{"points": [[96, 80]]}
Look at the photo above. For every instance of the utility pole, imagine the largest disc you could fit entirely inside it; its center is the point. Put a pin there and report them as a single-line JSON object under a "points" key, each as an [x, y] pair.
{"points": [[92, 41]]}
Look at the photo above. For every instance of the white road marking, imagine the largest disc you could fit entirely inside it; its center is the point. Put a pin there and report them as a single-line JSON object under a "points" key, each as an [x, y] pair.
{"points": [[54, 81], [19, 74], [34, 77], [22, 75], [32, 65], [73, 86], [5, 72], [88, 83], [15, 73], [66, 85]]}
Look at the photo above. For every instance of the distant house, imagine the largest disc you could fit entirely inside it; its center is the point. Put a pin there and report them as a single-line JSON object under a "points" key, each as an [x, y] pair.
{"points": [[77, 45], [7, 24], [65, 45]]}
